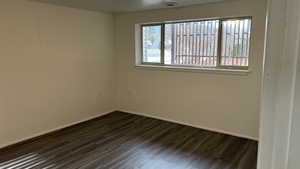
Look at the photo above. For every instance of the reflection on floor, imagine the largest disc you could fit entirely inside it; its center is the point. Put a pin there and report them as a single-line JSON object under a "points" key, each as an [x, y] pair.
{"points": [[125, 141]]}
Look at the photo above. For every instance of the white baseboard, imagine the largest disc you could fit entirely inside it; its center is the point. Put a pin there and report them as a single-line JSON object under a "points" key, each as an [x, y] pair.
{"points": [[131, 112], [192, 125], [55, 129]]}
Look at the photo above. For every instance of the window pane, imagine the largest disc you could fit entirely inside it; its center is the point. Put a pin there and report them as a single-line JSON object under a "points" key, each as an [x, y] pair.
{"points": [[192, 43], [235, 42], [152, 44]]}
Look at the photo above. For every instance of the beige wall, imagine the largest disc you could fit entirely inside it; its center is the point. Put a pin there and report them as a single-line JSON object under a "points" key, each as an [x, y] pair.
{"points": [[56, 67], [222, 102]]}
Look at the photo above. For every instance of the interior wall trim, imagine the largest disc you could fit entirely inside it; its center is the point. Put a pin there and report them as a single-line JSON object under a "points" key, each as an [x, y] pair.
{"points": [[51, 131], [191, 125]]}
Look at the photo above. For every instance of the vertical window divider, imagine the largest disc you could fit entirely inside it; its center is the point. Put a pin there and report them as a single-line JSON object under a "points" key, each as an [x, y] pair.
{"points": [[219, 48], [162, 58]]}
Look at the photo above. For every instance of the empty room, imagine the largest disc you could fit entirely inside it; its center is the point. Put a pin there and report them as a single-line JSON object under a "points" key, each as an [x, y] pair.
{"points": [[149, 84]]}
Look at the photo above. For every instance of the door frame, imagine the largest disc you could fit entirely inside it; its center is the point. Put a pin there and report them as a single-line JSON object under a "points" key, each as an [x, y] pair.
{"points": [[279, 81]]}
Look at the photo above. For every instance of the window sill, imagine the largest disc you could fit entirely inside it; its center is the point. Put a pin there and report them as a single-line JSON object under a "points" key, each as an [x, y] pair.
{"points": [[194, 69]]}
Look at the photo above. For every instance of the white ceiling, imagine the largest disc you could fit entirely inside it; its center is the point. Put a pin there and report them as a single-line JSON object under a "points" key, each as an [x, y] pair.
{"points": [[124, 5]]}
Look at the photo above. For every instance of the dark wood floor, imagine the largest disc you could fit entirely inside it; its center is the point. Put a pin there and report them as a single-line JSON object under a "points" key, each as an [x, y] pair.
{"points": [[125, 141]]}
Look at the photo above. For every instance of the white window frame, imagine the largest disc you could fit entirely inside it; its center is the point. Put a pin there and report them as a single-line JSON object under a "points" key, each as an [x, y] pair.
{"points": [[139, 47]]}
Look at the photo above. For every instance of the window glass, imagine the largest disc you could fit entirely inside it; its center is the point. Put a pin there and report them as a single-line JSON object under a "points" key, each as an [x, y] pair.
{"points": [[213, 43], [192, 43], [235, 42], [152, 44]]}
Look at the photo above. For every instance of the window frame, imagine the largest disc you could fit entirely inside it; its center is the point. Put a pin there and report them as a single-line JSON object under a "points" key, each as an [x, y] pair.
{"points": [[219, 66]]}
